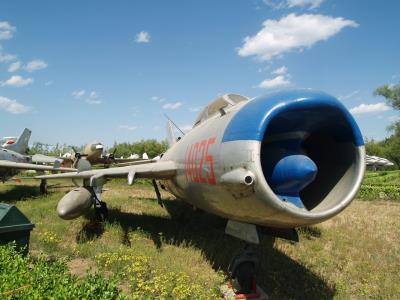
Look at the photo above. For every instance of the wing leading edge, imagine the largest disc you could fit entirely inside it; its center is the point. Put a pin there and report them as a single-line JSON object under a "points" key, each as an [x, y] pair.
{"points": [[157, 170], [28, 166]]}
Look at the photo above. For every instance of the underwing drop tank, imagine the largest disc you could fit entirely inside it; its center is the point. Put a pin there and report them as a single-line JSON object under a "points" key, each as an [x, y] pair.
{"points": [[75, 203]]}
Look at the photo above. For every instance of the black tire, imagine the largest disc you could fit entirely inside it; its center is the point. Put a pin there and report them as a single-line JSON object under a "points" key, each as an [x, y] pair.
{"points": [[101, 213], [245, 275], [43, 188]]}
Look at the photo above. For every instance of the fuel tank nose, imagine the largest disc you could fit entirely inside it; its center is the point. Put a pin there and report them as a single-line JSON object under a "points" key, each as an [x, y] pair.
{"points": [[74, 203]]}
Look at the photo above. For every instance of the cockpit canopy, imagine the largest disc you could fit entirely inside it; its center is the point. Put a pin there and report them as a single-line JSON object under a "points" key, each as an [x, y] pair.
{"points": [[225, 101]]}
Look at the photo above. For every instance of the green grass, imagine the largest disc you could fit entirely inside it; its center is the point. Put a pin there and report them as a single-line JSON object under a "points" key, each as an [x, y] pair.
{"points": [[354, 255]]}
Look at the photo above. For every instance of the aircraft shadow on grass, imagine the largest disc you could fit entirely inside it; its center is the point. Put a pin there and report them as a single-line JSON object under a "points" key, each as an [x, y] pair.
{"points": [[280, 276], [15, 193], [19, 193]]}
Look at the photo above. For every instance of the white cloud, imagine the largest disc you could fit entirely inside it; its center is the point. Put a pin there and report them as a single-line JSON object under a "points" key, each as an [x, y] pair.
{"points": [[16, 81], [175, 105], [14, 66], [93, 98], [303, 3], [6, 30], [195, 109], [276, 4], [277, 82], [128, 127], [370, 108], [12, 106], [348, 96], [394, 118], [36, 64], [93, 101], [158, 99], [291, 32], [142, 37], [4, 58], [48, 83], [78, 94], [280, 71], [279, 4]]}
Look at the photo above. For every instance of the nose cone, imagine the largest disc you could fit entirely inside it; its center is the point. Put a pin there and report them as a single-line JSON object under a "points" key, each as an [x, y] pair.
{"points": [[292, 174]]}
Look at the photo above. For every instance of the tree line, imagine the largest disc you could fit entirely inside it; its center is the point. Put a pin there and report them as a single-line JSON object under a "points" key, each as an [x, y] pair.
{"points": [[389, 147], [150, 146]]}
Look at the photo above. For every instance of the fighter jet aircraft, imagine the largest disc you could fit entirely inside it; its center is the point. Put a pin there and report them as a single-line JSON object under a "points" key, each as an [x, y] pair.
{"points": [[284, 160], [13, 159], [7, 140]]}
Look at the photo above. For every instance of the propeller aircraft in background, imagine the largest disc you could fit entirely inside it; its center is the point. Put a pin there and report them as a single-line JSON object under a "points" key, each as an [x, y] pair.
{"points": [[280, 161], [94, 154]]}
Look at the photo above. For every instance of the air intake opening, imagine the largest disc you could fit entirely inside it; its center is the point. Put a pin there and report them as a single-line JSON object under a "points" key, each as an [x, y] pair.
{"points": [[309, 157]]}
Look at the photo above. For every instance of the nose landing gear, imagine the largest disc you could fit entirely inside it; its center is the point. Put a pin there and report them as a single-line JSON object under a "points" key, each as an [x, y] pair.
{"points": [[243, 271], [244, 266], [43, 187]]}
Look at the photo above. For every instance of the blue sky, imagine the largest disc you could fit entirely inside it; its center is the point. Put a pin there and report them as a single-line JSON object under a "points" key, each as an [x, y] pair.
{"points": [[78, 71]]}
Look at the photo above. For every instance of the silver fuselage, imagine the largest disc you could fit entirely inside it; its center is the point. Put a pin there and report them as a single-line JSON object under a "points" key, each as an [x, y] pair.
{"points": [[12, 156], [212, 173]]}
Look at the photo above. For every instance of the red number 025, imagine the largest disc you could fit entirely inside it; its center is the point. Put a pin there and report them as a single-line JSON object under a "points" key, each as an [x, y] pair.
{"points": [[196, 157]]}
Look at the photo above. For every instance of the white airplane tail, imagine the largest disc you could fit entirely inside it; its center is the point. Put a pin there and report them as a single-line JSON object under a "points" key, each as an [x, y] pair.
{"points": [[170, 134], [21, 145]]}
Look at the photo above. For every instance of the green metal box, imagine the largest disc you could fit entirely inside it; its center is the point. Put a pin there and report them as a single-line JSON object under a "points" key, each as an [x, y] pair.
{"points": [[14, 226]]}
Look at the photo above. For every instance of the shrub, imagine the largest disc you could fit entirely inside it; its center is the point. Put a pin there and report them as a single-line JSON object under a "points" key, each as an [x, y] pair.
{"points": [[383, 192], [37, 278]]}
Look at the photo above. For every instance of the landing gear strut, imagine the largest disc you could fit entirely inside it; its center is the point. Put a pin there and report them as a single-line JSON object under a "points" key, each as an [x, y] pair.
{"points": [[243, 270], [101, 211], [100, 207], [43, 186]]}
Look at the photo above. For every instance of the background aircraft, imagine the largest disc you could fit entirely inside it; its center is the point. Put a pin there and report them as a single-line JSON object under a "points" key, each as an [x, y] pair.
{"points": [[13, 159], [7, 140], [94, 153], [263, 162], [375, 162]]}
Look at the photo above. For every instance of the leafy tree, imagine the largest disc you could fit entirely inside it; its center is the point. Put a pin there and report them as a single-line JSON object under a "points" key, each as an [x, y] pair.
{"points": [[151, 146], [390, 147], [373, 147], [391, 93], [51, 150]]}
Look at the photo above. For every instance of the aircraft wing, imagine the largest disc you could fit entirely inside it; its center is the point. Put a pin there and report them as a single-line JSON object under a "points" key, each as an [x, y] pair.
{"points": [[134, 162], [156, 170], [27, 166], [44, 159], [118, 161]]}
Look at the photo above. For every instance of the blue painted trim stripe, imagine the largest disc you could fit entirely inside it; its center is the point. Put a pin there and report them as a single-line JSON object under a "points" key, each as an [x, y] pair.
{"points": [[252, 120]]}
